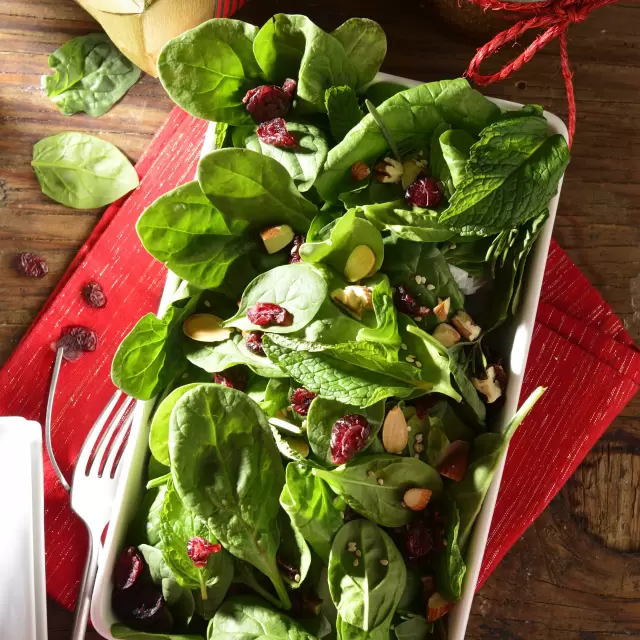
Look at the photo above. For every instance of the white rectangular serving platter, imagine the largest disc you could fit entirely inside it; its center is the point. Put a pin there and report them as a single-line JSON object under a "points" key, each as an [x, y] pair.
{"points": [[516, 350]]}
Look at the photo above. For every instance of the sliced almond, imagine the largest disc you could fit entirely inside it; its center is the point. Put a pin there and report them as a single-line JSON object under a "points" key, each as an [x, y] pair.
{"points": [[441, 310], [446, 335], [205, 327], [360, 263], [417, 499], [277, 238], [395, 433]]}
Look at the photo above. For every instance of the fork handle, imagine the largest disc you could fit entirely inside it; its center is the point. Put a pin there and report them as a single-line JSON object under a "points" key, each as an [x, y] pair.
{"points": [[83, 603]]}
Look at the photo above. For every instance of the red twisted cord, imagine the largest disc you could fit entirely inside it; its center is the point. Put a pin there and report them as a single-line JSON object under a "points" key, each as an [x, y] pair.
{"points": [[554, 17]]}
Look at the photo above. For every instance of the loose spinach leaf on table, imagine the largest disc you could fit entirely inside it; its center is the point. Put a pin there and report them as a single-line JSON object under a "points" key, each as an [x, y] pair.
{"points": [[298, 288], [247, 618], [366, 592], [374, 485], [365, 44], [209, 69], [293, 46], [82, 171], [343, 110], [486, 452], [177, 526], [90, 75], [247, 186], [122, 632], [512, 172], [450, 566], [323, 414], [184, 231], [315, 511], [303, 162], [228, 471], [411, 117]]}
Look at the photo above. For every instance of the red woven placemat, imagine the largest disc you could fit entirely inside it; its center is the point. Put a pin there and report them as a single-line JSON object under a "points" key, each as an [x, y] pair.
{"points": [[580, 350]]}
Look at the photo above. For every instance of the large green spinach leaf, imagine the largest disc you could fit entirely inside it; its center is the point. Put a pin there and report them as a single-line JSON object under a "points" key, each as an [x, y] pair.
{"points": [[411, 117], [365, 588], [249, 186], [209, 69], [322, 416], [512, 172], [486, 452], [297, 287], [227, 470], [374, 485], [247, 618], [90, 75], [82, 171], [313, 509]]}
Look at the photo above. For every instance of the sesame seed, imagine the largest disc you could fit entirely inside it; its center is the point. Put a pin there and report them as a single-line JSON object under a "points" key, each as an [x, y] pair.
{"points": [[207, 303], [384, 563], [358, 553], [444, 542], [419, 437], [356, 562], [418, 364], [352, 544], [380, 481], [403, 346], [342, 514], [408, 427], [430, 287], [410, 359], [452, 246], [297, 577], [418, 318], [403, 504], [416, 455], [371, 474], [304, 424]]}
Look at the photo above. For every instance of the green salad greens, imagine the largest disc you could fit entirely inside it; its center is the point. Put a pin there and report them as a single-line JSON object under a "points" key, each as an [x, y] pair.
{"points": [[327, 378]]}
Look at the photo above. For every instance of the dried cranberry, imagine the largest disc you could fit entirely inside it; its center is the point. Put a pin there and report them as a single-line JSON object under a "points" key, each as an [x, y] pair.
{"points": [[29, 264], [200, 549], [424, 192], [234, 378], [350, 514], [74, 341], [267, 314], [289, 87], [301, 400], [418, 540], [253, 342], [348, 436], [94, 294], [425, 403], [267, 102], [143, 609], [275, 133], [406, 303], [290, 571], [298, 241], [128, 568]]}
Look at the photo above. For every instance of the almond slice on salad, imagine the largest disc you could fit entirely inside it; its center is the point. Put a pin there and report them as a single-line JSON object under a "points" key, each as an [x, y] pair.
{"points": [[205, 327], [395, 432], [360, 263], [417, 499]]}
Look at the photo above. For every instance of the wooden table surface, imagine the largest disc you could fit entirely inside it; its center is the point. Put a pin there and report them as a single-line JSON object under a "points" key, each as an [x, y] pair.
{"points": [[575, 574]]}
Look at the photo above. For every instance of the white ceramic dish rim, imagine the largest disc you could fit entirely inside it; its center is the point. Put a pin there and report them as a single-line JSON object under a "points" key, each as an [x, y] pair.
{"points": [[521, 328]]}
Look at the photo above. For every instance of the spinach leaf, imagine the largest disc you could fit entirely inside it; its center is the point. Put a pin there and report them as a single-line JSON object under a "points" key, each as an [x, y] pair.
{"points": [[453, 427], [209, 69], [228, 471], [292, 45], [342, 372], [335, 242], [179, 598], [293, 551], [450, 566], [297, 287], [378, 92], [411, 117], [184, 231], [415, 224], [223, 355], [313, 509], [123, 632], [276, 396], [82, 171], [142, 364], [303, 162], [90, 75], [222, 129], [385, 330], [438, 168], [414, 629], [486, 452], [366, 589], [348, 631], [286, 446], [247, 618], [343, 110], [374, 486], [248, 186], [458, 362], [145, 526], [323, 414], [177, 526], [365, 44], [456, 146], [512, 172], [159, 430]]}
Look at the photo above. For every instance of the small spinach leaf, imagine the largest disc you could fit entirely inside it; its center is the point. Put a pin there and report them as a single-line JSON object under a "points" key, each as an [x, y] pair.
{"points": [[450, 566], [414, 629], [293, 551], [343, 110], [122, 632], [456, 146]]}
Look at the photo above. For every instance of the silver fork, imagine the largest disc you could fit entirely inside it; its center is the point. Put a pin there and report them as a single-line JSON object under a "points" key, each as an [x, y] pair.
{"points": [[94, 484]]}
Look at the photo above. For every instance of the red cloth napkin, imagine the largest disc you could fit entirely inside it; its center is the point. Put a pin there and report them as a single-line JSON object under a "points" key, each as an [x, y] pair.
{"points": [[580, 350]]}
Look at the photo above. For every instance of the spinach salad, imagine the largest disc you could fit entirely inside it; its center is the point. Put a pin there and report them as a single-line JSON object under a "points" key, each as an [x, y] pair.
{"points": [[328, 375]]}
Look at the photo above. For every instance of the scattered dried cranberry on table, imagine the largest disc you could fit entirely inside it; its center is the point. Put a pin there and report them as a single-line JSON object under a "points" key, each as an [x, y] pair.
{"points": [[275, 133], [267, 314], [31, 265], [269, 101], [74, 341], [301, 400], [94, 294], [348, 436]]}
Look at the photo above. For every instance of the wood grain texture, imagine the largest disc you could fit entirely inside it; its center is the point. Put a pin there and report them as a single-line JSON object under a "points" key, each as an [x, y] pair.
{"points": [[573, 575]]}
